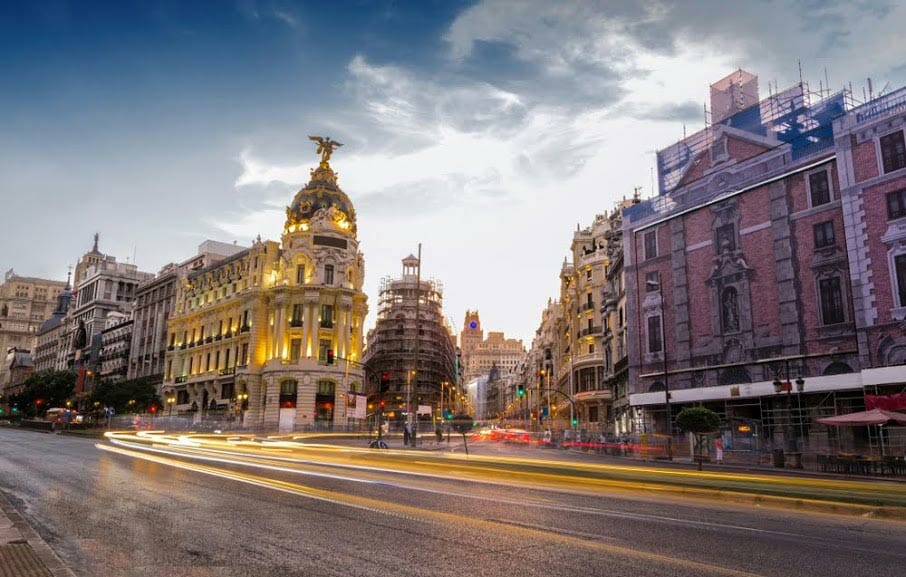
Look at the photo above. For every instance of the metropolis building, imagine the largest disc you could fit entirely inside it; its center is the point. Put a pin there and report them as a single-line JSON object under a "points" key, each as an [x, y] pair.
{"points": [[272, 336]]}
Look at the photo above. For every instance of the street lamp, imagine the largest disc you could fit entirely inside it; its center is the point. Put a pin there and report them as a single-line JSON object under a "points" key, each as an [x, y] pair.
{"points": [[170, 401], [131, 404], [656, 286], [792, 438], [241, 400]]}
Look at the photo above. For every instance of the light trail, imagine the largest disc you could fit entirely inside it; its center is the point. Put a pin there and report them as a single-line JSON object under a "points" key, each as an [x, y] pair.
{"points": [[434, 517]]}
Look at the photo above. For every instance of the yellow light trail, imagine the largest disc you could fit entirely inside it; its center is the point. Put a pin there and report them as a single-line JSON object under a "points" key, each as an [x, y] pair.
{"points": [[480, 526]]}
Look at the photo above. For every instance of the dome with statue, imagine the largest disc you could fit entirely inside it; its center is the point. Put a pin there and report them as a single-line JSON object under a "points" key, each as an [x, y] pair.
{"points": [[322, 196]]}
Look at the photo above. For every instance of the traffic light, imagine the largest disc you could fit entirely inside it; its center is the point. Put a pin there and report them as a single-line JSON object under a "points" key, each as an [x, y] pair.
{"points": [[153, 408], [383, 403], [385, 382], [329, 356], [575, 422], [521, 390]]}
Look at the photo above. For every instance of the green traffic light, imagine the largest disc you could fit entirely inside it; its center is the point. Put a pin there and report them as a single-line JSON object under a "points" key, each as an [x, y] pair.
{"points": [[575, 421]]}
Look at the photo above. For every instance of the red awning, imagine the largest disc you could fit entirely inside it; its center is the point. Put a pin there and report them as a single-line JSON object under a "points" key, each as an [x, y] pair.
{"points": [[862, 418]]}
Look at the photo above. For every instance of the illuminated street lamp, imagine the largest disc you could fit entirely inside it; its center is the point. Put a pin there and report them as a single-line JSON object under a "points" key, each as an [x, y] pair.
{"points": [[131, 404], [241, 400], [171, 400]]}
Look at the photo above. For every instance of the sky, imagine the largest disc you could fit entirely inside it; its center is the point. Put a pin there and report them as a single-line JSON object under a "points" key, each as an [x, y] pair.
{"points": [[486, 131]]}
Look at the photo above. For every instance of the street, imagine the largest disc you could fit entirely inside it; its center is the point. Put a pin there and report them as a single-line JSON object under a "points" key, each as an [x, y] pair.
{"points": [[139, 513]]}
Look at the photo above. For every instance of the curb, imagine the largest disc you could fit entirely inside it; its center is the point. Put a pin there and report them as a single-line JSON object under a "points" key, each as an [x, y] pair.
{"points": [[23, 553]]}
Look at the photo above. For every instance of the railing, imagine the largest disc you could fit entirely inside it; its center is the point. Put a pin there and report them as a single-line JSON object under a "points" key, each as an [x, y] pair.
{"points": [[181, 379], [590, 331], [228, 371], [244, 329]]}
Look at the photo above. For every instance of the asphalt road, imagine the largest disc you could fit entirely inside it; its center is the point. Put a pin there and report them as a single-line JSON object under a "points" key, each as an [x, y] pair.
{"points": [[109, 514]]}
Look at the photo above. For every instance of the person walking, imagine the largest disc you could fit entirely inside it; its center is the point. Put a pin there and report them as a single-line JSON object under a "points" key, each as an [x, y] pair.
{"points": [[719, 450]]}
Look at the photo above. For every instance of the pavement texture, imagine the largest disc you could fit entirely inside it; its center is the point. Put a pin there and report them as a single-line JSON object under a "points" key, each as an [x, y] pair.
{"points": [[23, 553]]}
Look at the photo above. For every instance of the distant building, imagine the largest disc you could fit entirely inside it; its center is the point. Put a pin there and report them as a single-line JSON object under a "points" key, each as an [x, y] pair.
{"points": [[51, 335], [25, 303], [17, 366], [480, 354], [116, 341]]}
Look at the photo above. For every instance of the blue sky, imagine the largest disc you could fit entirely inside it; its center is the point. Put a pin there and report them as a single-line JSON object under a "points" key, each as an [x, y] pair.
{"points": [[484, 130]]}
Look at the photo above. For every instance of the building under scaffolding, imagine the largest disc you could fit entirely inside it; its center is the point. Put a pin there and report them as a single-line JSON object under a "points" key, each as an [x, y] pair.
{"points": [[402, 342]]}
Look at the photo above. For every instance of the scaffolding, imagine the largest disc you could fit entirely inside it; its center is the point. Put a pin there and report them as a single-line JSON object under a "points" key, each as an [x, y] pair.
{"points": [[398, 336]]}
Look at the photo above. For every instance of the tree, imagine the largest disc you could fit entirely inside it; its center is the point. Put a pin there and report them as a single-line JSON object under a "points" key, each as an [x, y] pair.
{"points": [[700, 421], [43, 390], [462, 424], [118, 395]]}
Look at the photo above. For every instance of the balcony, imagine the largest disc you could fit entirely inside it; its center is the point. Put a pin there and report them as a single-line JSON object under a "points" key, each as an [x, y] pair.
{"points": [[208, 340], [229, 371], [295, 323], [171, 347], [181, 379], [587, 307], [244, 328], [218, 338], [590, 331]]}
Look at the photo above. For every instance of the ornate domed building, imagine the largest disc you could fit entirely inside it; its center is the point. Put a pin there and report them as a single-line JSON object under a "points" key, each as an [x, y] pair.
{"points": [[272, 337]]}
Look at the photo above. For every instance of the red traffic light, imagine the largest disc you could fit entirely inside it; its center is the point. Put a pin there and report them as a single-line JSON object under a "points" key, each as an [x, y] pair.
{"points": [[153, 408], [329, 356], [38, 402]]}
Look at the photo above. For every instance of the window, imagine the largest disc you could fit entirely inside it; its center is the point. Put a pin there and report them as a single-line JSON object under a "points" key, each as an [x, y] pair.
{"points": [[896, 204], [819, 188], [300, 274], [900, 265], [288, 394], [650, 244], [824, 234], [326, 317], [831, 300], [729, 310], [328, 274], [588, 275], [726, 237], [296, 320], [591, 348], [323, 347], [652, 282], [893, 151], [295, 349], [655, 343]]}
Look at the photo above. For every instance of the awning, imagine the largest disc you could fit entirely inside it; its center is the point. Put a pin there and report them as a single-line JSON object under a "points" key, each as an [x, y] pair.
{"points": [[863, 418]]}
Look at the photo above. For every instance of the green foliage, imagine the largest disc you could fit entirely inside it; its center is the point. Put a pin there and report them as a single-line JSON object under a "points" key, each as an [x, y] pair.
{"points": [[51, 388], [698, 420], [118, 395]]}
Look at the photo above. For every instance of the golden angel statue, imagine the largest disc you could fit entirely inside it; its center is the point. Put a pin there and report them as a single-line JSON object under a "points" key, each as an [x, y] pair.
{"points": [[326, 146]]}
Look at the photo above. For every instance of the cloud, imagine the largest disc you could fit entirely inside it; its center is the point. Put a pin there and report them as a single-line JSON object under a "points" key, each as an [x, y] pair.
{"points": [[287, 18]]}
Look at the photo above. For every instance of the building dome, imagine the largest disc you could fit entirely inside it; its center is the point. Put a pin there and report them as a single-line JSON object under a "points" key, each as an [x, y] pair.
{"points": [[321, 197]]}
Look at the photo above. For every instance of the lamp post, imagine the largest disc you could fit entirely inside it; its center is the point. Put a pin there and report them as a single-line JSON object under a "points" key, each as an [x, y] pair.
{"points": [[791, 436], [241, 400], [170, 401]]}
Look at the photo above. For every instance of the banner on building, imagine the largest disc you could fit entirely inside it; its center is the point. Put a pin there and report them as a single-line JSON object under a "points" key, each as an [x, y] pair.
{"points": [[361, 406], [894, 402]]}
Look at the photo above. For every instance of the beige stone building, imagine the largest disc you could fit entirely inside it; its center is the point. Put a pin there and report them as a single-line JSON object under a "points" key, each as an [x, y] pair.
{"points": [[582, 282], [272, 335], [25, 303], [480, 354]]}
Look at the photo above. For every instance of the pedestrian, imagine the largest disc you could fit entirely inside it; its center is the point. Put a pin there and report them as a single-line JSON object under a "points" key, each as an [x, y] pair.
{"points": [[406, 434], [719, 450], [439, 433]]}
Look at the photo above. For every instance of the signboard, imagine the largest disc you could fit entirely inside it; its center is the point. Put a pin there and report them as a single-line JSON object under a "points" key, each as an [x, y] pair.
{"points": [[424, 410], [361, 406]]}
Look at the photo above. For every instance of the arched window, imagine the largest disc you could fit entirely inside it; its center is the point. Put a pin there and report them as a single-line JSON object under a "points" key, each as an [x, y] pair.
{"points": [[729, 310], [735, 376], [837, 368]]}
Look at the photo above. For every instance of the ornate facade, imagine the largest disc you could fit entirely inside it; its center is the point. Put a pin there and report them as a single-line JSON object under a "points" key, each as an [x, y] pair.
{"points": [[279, 322]]}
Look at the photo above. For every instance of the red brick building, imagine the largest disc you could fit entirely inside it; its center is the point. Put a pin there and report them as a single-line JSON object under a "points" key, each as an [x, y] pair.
{"points": [[763, 281]]}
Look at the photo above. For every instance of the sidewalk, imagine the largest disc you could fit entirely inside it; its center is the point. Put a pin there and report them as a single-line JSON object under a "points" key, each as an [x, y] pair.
{"points": [[23, 553]]}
